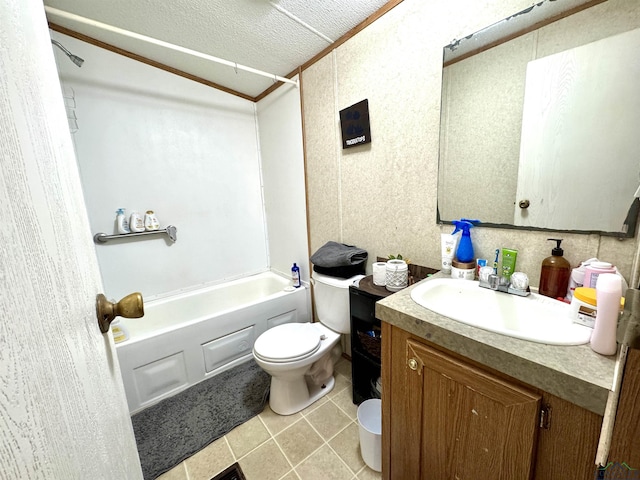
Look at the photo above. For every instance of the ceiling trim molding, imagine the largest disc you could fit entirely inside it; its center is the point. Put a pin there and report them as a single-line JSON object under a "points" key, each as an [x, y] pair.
{"points": [[351, 33], [148, 61]]}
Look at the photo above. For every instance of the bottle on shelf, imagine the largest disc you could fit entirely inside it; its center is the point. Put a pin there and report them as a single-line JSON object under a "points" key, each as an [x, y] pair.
{"points": [[136, 224], [122, 222], [151, 221], [119, 331]]}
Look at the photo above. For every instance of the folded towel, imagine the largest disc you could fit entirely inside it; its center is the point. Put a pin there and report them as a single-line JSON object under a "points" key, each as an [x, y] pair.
{"points": [[333, 254]]}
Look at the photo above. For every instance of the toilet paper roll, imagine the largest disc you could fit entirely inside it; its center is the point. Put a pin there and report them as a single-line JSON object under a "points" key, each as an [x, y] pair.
{"points": [[380, 273]]}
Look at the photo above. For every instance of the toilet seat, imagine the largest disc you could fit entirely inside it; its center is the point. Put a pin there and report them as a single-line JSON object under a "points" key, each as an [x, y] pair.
{"points": [[287, 343]]}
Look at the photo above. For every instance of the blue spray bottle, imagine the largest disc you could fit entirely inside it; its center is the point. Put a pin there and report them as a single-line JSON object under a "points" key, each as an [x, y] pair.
{"points": [[465, 247]]}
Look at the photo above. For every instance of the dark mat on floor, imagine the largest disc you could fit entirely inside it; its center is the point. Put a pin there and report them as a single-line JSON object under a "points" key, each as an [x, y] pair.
{"points": [[234, 472], [179, 426]]}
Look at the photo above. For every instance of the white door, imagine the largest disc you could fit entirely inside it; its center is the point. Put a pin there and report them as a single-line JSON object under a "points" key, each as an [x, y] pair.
{"points": [[579, 147], [63, 413]]}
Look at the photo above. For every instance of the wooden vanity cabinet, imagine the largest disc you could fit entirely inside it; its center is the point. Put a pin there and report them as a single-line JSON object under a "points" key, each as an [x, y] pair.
{"points": [[447, 418]]}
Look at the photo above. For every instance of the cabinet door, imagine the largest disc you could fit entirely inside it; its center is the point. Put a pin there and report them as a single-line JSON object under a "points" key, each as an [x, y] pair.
{"points": [[567, 445], [460, 422]]}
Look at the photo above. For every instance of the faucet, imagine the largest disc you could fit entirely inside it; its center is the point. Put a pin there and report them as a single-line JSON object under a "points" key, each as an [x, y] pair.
{"points": [[516, 286]]}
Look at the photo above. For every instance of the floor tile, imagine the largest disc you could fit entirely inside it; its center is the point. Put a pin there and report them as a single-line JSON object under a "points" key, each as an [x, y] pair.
{"points": [[176, 473], [298, 441], [368, 474], [347, 445], [247, 436], [324, 464], [344, 400], [276, 423], [291, 476], [341, 384], [343, 367], [328, 420], [315, 405], [209, 461], [319, 443], [265, 463]]}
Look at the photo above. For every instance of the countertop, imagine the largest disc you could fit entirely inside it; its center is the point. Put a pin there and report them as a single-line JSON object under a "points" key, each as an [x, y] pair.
{"points": [[366, 284], [574, 373]]}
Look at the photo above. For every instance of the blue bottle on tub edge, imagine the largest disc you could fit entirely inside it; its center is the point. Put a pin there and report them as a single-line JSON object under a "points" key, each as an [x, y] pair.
{"points": [[295, 275]]}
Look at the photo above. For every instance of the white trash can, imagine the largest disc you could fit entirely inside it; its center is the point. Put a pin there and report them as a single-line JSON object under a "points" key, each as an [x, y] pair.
{"points": [[370, 424]]}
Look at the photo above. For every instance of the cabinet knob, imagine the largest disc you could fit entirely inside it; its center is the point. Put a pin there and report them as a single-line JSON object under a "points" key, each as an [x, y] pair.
{"points": [[413, 364]]}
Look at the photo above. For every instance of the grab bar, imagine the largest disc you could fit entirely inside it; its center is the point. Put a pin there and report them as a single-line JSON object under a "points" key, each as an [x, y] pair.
{"points": [[171, 231]]}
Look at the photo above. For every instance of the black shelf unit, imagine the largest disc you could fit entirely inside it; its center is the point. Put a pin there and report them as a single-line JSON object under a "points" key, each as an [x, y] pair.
{"points": [[366, 341]]}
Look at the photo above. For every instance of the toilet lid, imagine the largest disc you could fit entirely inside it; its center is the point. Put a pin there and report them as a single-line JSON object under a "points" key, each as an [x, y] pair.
{"points": [[287, 342]]}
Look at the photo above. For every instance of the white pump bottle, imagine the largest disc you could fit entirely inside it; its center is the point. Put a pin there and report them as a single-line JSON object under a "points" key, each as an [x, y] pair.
{"points": [[608, 295]]}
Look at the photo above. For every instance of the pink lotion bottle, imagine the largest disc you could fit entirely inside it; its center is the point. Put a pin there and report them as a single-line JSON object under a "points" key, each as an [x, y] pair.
{"points": [[608, 295]]}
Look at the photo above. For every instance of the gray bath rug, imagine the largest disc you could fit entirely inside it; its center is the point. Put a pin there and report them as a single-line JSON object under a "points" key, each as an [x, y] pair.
{"points": [[174, 429]]}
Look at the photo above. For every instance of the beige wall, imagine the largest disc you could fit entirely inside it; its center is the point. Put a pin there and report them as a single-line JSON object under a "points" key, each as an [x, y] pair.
{"points": [[382, 196]]}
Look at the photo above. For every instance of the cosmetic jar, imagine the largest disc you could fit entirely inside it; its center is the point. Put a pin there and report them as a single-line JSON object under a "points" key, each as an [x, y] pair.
{"points": [[464, 270]]}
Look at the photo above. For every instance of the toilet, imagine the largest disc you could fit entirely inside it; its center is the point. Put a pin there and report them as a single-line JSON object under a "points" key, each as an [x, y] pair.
{"points": [[300, 356]]}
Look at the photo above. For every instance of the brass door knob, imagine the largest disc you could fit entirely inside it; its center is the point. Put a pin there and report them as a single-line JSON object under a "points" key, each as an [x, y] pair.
{"points": [[130, 306], [524, 204], [413, 364]]}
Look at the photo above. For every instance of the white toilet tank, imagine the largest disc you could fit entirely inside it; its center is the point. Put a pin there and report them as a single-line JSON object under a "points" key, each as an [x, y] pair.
{"points": [[331, 299]]}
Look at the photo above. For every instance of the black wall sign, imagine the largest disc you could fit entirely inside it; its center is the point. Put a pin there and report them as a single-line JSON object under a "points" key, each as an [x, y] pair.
{"points": [[354, 123]]}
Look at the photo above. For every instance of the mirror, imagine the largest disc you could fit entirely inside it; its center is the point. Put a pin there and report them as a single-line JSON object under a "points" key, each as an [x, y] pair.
{"points": [[539, 121]]}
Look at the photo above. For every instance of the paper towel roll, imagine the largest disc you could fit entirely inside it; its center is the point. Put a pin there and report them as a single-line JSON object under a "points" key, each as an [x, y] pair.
{"points": [[380, 273]]}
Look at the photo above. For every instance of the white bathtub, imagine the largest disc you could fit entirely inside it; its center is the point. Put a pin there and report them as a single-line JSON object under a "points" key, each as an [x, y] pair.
{"points": [[185, 338]]}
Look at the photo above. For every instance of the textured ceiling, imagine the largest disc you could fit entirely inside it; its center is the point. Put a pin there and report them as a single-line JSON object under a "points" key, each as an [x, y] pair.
{"points": [[266, 35]]}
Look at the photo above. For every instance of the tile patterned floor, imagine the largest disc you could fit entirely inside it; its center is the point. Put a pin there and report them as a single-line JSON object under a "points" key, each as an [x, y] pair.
{"points": [[319, 443]]}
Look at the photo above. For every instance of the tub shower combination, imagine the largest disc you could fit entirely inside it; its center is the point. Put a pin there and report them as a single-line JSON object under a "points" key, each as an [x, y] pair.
{"points": [[186, 338]]}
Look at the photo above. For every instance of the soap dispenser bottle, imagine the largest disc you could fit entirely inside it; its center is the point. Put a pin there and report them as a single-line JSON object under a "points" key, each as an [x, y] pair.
{"points": [[555, 273]]}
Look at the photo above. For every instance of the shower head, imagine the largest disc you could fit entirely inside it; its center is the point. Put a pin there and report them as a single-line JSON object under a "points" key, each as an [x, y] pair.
{"points": [[74, 58], [77, 60]]}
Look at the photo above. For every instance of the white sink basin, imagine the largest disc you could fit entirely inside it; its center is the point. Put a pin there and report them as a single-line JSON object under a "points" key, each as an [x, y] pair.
{"points": [[535, 318]]}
